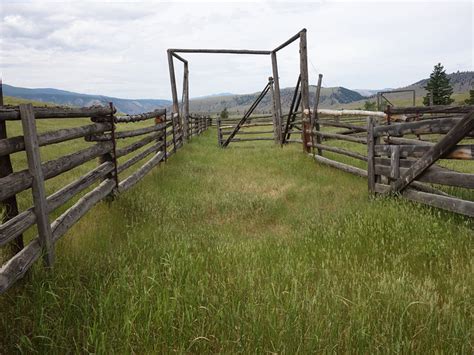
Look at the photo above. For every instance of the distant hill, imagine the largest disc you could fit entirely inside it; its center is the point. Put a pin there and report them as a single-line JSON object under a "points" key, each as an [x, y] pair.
{"points": [[62, 97], [462, 82], [330, 97]]}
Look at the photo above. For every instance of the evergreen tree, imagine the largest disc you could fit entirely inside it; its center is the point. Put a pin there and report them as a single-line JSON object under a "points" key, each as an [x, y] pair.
{"points": [[470, 100], [439, 86], [370, 105], [224, 113]]}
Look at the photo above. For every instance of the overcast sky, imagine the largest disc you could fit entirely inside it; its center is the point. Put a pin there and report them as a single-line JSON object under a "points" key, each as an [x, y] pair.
{"points": [[119, 48]]}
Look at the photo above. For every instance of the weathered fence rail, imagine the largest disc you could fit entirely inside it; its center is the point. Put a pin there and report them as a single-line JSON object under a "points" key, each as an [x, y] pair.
{"points": [[153, 143], [396, 159]]}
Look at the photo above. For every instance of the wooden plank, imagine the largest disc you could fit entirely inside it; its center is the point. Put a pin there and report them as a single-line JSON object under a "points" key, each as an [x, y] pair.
{"points": [[453, 137], [251, 139], [246, 115], [140, 173], [248, 132], [343, 112], [342, 125], [16, 144], [435, 176], [154, 148], [448, 203], [141, 117], [13, 114], [38, 189], [219, 51], [341, 166], [339, 151], [127, 134], [439, 126], [458, 152], [22, 180], [27, 218], [342, 137], [430, 109], [138, 144]]}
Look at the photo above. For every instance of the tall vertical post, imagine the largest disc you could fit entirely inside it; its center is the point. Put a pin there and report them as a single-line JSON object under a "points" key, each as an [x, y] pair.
{"points": [[174, 94], [315, 123], [219, 131], [276, 88], [186, 101], [306, 132], [371, 155], [276, 134], [39, 194], [6, 168]]}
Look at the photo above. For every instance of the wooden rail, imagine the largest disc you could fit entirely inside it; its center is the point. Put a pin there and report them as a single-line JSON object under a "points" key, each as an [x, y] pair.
{"points": [[160, 140]]}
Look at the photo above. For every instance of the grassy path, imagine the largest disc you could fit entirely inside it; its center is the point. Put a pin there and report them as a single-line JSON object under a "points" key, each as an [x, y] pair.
{"points": [[250, 250]]}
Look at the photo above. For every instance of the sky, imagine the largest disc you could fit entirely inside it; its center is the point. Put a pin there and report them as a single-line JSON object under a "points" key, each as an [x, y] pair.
{"points": [[119, 48]]}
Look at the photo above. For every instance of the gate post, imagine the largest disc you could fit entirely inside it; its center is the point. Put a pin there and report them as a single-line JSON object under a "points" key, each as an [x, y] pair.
{"points": [[306, 126]]}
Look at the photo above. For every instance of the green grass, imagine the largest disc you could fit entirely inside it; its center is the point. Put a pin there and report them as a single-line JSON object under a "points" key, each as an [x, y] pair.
{"points": [[250, 249]]}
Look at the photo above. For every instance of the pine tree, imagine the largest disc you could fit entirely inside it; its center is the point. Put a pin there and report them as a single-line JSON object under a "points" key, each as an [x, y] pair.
{"points": [[470, 100], [224, 113], [439, 86]]}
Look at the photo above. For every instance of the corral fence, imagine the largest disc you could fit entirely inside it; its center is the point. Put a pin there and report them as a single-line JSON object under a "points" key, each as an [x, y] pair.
{"points": [[101, 129], [420, 153]]}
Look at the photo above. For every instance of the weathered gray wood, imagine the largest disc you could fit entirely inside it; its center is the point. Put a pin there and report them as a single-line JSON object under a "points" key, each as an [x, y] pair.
{"points": [[219, 132], [16, 144], [140, 173], [219, 51], [38, 189], [138, 144], [459, 152], [140, 156], [10, 204], [251, 139], [276, 88], [342, 125], [186, 101], [371, 178], [341, 166], [435, 176], [13, 114], [305, 90], [247, 132], [339, 151], [289, 41], [315, 119], [19, 181], [453, 137], [394, 162], [407, 141], [342, 137], [27, 218], [448, 203], [276, 135], [441, 126], [127, 134], [140, 117], [430, 109]]}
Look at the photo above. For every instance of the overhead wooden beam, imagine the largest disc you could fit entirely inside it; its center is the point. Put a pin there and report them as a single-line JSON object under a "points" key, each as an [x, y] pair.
{"points": [[180, 58], [289, 41], [219, 51]]}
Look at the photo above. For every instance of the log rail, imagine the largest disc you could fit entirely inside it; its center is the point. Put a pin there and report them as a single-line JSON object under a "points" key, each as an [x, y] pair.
{"points": [[151, 145]]}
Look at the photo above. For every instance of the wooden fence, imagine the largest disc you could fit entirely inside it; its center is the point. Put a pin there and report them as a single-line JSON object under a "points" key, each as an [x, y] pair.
{"points": [[155, 142], [409, 157]]}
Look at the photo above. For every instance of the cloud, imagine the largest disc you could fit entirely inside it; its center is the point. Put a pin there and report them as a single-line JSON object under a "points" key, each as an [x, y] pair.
{"points": [[119, 48]]}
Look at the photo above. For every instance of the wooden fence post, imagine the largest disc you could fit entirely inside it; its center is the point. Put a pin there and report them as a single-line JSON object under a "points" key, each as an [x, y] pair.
{"points": [[37, 187], [394, 163], [371, 155], [276, 84], [276, 134], [306, 126], [10, 204], [219, 131], [315, 124]]}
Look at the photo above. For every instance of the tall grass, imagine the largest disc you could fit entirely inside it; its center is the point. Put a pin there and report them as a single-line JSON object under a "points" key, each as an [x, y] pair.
{"points": [[250, 249]]}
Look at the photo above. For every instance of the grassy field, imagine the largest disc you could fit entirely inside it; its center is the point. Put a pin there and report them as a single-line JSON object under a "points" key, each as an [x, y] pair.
{"points": [[250, 249]]}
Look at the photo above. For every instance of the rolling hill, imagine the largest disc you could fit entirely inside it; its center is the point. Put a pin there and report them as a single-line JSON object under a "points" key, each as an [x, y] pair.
{"points": [[68, 98]]}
